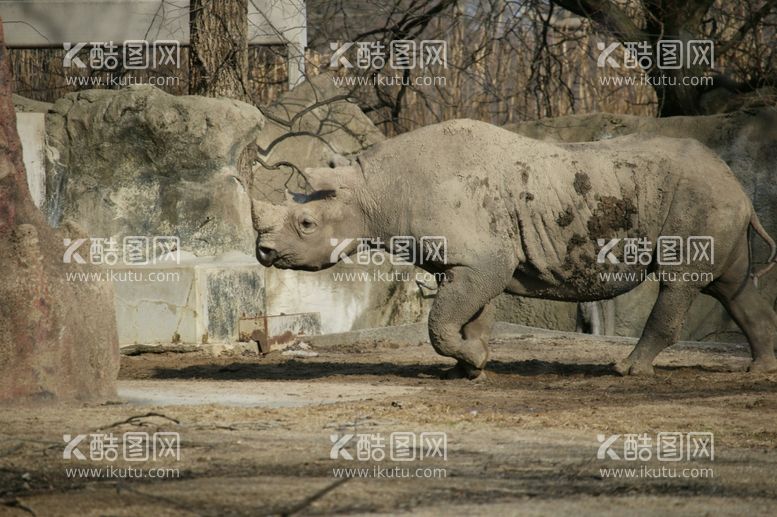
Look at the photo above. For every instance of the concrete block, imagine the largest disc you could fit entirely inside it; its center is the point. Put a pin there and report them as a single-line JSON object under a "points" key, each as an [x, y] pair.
{"points": [[156, 304], [32, 132], [197, 301], [228, 293]]}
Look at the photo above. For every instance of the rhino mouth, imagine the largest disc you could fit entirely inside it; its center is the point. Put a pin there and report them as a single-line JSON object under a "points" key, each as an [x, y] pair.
{"points": [[267, 263], [284, 265], [279, 262], [267, 257]]}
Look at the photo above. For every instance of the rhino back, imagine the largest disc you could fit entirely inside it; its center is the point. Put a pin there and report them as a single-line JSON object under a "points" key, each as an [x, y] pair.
{"points": [[480, 185], [445, 179]]}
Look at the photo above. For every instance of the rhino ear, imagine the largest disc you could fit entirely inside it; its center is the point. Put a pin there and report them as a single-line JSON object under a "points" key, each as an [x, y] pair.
{"points": [[334, 181], [338, 160]]}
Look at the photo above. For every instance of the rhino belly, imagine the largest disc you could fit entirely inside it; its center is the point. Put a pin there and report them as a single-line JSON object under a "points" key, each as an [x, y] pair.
{"points": [[596, 284]]}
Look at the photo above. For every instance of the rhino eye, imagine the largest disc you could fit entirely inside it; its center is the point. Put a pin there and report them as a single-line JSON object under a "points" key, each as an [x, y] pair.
{"points": [[307, 224]]}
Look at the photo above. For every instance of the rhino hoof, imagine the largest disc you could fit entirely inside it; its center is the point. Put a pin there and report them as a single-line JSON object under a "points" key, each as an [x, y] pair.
{"points": [[464, 371], [763, 365], [628, 367]]}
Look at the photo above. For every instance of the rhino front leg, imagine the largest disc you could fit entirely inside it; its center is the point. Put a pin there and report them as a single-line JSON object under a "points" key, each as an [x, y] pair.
{"points": [[477, 330], [461, 319]]}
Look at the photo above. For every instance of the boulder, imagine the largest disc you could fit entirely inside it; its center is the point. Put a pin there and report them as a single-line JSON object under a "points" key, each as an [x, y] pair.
{"points": [[57, 337], [141, 162], [310, 126]]}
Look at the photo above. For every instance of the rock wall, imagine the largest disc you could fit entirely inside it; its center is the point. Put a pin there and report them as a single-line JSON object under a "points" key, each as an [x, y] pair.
{"points": [[309, 126]]}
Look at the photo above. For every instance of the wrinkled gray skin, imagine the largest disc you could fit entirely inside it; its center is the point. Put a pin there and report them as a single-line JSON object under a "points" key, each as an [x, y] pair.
{"points": [[524, 216]]}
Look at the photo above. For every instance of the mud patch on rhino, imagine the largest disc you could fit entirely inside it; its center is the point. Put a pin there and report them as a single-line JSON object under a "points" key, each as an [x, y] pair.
{"points": [[582, 183], [524, 170], [611, 216], [620, 164], [579, 266], [493, 225], [526, 196], [566, 217], [577, 241]]}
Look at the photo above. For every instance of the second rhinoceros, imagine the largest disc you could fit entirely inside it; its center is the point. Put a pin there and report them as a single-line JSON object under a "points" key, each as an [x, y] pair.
{"points": [[537, 219]]}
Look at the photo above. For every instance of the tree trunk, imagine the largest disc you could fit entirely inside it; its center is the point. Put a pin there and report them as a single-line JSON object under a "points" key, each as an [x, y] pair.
{"points": [[58, 338], [218, 56], [668, 20], [676, 93], [675, 98]]}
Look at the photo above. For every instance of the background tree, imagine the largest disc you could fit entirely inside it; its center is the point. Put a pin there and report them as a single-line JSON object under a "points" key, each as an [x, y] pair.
{"points": [[508, 60], [743, 34], [521, 60], [218, 56]]}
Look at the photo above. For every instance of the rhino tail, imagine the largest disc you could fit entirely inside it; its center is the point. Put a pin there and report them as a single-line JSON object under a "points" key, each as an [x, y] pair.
{"points": [[759, 229]]}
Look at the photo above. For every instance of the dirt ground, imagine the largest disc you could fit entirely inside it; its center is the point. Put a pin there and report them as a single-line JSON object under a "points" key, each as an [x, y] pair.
{"points": [[255, 435]]}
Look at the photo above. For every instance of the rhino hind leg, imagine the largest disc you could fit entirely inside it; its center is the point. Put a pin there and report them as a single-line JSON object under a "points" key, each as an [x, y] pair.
{"points": [[460, 322], [662, 329], [735, 289], [759, 323], [754, 315]]}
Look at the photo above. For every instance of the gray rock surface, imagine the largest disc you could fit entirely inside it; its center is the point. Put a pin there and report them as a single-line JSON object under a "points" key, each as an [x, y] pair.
{"points": [[309, 126], [139, 161], [25, 105]]}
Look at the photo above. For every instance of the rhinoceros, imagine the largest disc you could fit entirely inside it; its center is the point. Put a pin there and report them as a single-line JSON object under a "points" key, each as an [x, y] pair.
{"points": [[529, 217]]}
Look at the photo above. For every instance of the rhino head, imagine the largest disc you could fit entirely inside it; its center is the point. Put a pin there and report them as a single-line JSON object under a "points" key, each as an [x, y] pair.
{"points": [[310, 231]]}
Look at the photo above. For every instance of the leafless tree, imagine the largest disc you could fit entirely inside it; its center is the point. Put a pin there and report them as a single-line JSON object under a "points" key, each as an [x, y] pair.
{"points": [[743, 34], [517, 60]]}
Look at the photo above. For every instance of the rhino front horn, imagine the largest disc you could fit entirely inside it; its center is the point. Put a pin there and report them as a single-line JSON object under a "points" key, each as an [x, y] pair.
{"points": [[263, 214]]}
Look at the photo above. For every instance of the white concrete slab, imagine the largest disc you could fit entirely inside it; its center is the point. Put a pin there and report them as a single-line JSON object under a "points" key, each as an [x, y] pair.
{"points": [[32, 132]]}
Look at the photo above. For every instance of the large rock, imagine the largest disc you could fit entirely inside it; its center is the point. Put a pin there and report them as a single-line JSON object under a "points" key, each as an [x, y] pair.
{"points": [[142, 162], [309, 126], [57, 338], [745, 140]]}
